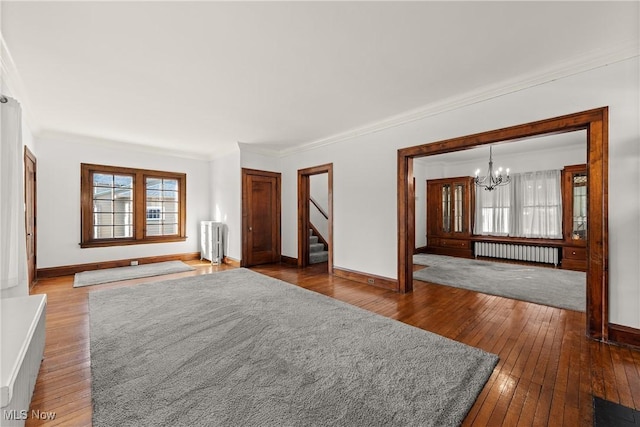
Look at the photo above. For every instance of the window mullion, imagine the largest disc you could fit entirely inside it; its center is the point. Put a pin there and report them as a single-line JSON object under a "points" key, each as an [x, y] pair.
{"points": [[140, 206]]}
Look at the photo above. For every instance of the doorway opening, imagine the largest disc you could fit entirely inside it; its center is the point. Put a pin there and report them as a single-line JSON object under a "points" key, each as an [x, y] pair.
{"points": [[30, 214], [595, 122], [315, 216]]}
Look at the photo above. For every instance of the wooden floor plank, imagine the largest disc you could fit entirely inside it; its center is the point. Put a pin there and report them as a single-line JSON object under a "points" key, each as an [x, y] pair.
{"points": [[621, 379], [547, 373], [633, 376]]}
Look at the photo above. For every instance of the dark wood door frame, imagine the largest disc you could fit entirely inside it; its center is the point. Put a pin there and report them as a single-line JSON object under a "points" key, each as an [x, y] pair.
{"points": [[246, 210], [30, 199], [304, 190], [596, 123]]}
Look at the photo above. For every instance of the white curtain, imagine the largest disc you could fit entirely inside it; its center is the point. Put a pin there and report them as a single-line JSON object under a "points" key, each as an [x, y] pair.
{"points": [[493, 211], [538, 206], [13, 250], [530, 206]]}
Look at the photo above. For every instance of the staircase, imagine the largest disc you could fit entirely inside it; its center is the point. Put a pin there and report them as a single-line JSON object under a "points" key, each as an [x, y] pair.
{"points": [[317, 252]]}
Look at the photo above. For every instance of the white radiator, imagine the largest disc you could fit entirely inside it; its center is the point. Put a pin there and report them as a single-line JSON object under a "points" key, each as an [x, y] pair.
{"points": [[544, 254], [23, 335], [211, 241]]}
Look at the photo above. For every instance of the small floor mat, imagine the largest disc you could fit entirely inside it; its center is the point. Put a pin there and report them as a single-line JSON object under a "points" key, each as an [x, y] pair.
{"points": [[96, 277]]}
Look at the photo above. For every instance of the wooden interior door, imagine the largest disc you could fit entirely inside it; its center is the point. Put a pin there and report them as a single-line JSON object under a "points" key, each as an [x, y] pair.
{"points": [[30, 212], [260, 217]]}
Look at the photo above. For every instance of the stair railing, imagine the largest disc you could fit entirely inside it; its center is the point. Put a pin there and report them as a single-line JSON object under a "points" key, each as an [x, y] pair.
{"points": [[322, 224], [315, 203]]}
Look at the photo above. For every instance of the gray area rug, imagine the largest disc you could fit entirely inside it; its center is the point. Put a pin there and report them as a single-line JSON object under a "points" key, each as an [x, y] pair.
{"points": [[96, 277], [547, 286], [237, 348]]}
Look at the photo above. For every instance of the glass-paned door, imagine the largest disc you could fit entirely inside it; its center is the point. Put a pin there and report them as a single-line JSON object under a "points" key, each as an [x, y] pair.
{"points": [[458, 208], [446, 208], [579, 217]]}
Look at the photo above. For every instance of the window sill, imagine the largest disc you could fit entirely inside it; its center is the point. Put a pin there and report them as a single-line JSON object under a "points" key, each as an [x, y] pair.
{"points": [[122, 242]]}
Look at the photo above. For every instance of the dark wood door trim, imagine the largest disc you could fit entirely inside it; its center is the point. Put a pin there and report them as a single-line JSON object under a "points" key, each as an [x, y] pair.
{"points": [[596, 123], [245, 262], [303, 212], [30, 180]]}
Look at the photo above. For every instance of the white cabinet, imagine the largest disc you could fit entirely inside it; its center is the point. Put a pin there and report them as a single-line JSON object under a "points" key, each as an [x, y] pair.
{"points": [[211, 234]]}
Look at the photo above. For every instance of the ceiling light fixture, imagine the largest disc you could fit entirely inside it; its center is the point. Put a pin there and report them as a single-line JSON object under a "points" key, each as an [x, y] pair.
{"points": [[492, 179]]}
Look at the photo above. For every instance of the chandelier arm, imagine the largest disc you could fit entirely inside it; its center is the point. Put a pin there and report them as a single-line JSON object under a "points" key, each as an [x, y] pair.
{"points": [[495, 180]]}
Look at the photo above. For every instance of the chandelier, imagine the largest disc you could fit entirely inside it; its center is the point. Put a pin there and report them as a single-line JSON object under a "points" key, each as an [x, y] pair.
{"points": [[492, 179]]}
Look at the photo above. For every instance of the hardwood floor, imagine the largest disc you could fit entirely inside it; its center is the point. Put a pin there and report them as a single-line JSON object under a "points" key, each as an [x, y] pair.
{"points": [[547, 373]]}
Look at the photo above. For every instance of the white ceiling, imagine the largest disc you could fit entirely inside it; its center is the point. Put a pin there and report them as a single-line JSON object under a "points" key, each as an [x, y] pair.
{"points": [[199, 77]]}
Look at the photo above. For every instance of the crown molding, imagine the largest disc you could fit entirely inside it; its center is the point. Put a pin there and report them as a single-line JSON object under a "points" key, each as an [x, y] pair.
{"points": [[257, 149], [118, 145], [586, 62]]}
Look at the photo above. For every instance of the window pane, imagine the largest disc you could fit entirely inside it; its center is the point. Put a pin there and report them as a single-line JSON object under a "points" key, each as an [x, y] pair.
{"points": [[102, 193], [170, 184], [112, 193], [123, 181], [121, 231], [154, 230], [123, 206], [170, 207], [102, 180], [123, 219], [154, 184], [169, 229], [100, 232], [162, 206], [170, 195], [103, 219], [170, 218], [102, 206], [123, 194]]}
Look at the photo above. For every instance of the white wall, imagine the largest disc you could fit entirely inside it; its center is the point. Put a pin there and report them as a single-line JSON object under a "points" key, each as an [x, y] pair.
{"points": [[365, 205], [59, 200], [253, 160], [364, 197], [28, 140], [422, 173], [226, 200]]}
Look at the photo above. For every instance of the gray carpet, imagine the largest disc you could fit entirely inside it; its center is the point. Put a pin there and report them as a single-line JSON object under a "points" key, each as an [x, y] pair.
{"points": [[541, 285], [96, 277], [237, 348]]}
